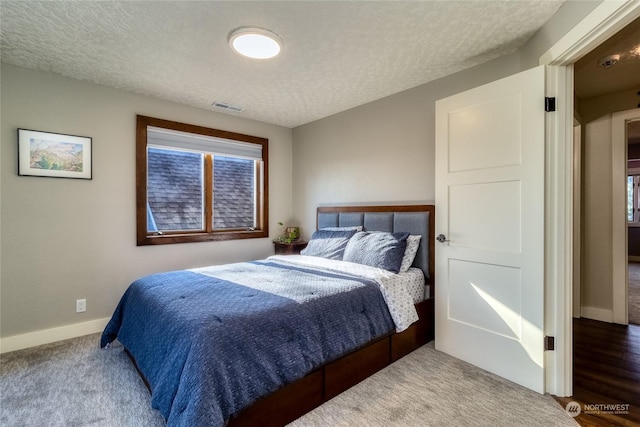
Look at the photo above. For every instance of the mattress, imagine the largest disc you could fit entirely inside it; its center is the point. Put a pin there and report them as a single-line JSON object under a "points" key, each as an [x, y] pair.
{"points": [[401, 291], [286, 316]]}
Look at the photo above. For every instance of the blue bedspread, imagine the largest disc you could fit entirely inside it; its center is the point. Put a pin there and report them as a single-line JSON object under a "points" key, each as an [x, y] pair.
{"points": [[210, 347]]}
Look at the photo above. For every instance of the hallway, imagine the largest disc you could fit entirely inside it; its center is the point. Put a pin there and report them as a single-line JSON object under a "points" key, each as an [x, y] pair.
{"points": [[606, 371]]}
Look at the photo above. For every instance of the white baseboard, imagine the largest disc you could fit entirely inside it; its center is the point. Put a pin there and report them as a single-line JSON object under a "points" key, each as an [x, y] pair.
{"points": [[595, 313], [46, 336]]}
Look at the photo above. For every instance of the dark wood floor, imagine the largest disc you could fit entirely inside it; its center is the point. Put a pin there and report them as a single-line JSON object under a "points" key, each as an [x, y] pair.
{"points": [[606, 371]]}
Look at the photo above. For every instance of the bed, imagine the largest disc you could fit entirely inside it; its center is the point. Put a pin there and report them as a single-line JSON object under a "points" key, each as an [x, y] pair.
{"points": [[266, 341]]}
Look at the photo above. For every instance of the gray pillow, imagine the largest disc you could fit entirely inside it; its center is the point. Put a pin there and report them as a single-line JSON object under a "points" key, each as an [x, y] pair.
{"points": [[328, 243], [377, 249]]}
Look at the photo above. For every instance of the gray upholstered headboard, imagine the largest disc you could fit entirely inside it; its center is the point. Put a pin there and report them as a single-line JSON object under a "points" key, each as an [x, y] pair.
{"points": [[415, 219]]}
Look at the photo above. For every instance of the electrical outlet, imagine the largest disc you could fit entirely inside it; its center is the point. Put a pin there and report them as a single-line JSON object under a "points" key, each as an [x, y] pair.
{"points": [[81, 305]]}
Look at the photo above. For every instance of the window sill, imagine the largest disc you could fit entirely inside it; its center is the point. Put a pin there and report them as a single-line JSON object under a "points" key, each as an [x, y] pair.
{"points": [[168, 239]]}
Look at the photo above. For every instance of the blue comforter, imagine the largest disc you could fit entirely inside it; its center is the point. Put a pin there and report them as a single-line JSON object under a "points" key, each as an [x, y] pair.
{"points": [[210, 346]]}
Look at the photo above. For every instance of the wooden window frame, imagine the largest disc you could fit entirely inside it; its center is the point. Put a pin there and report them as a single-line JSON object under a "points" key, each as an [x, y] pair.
{"points": [[145, 237]]}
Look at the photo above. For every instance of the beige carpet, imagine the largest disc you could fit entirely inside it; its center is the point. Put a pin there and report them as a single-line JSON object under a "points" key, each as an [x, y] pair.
{"points": [[430, 388], [634, 293], [75, 383]]}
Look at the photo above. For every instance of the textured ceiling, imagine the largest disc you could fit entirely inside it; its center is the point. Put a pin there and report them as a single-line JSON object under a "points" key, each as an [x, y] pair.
{"points": [[592, 80], [337, 54]]}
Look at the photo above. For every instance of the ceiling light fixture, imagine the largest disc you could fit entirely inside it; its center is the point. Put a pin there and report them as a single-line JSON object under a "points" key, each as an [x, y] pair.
{"points": [[256, 43], [608, 61]]}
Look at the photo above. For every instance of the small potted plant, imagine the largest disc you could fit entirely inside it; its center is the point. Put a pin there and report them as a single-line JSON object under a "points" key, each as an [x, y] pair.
{"points": [[291, 234]]}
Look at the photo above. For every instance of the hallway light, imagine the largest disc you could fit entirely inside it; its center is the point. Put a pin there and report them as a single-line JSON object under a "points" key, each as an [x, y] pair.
{"points": [[608, 61]]}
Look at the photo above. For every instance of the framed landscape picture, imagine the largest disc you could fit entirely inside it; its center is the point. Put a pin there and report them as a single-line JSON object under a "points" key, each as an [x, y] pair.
{"points": [[53, 154]]}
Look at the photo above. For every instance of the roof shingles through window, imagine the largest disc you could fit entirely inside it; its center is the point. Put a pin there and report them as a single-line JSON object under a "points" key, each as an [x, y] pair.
{"points": [[174, 188]]}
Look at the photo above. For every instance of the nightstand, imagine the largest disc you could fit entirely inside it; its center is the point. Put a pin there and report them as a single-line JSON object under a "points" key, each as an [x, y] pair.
{"points": [[292, 248]]}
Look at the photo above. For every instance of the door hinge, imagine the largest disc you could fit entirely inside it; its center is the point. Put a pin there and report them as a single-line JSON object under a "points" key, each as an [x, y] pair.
{"points": [[549, 343], [549, 104]]}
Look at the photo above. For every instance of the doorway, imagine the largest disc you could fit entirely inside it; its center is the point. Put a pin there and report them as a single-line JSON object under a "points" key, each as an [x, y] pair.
{"points": [[607, 101], [603, 371], [632, 143], [609, 221], [605, 20]]}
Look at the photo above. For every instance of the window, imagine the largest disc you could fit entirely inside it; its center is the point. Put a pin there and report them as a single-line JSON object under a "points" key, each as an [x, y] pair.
{"points": [[633, 199], [199, 184]]}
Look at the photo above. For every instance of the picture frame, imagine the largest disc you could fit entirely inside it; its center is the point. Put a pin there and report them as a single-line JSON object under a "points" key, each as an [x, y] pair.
{"points": [[54, 155]]}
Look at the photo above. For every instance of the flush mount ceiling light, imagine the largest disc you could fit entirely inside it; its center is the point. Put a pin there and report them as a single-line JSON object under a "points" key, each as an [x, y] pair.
{"points": [[256, 43]]}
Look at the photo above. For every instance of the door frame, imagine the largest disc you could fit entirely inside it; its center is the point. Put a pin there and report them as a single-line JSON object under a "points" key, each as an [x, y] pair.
{"points": [[577, 215], [605, 20], [620, 235]]}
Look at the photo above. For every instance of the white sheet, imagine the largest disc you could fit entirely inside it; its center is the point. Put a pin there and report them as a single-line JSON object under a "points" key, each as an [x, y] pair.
{"points": [[394, 288]]}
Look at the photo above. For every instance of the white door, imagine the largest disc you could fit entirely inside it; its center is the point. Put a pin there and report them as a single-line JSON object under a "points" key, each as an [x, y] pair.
{"points": [[490, 206]]}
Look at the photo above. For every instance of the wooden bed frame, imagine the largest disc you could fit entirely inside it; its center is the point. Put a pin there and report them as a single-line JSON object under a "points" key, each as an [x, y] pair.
{"points": [[302, 396]]}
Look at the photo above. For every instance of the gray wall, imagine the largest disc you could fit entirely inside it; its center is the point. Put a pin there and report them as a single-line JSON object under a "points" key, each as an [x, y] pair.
{"points": [[597, 245], [591, 109], [383, 152], [65, 239], [597, 218]]}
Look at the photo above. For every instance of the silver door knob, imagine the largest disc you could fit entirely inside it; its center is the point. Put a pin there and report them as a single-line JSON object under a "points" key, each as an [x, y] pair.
{"points": [[441, 238]]}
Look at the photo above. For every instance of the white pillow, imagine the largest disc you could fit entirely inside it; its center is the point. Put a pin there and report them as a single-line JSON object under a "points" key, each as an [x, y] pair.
{"points": [[413, 241]]}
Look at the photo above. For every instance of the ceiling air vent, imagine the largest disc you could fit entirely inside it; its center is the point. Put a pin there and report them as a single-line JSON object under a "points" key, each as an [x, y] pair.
{"points": [[227, 107]]}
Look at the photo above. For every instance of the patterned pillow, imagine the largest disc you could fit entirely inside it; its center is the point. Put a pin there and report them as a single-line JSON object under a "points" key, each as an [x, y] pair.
{"points": [[377, 249], [355, 227], [413, 241], [328, 243]]}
